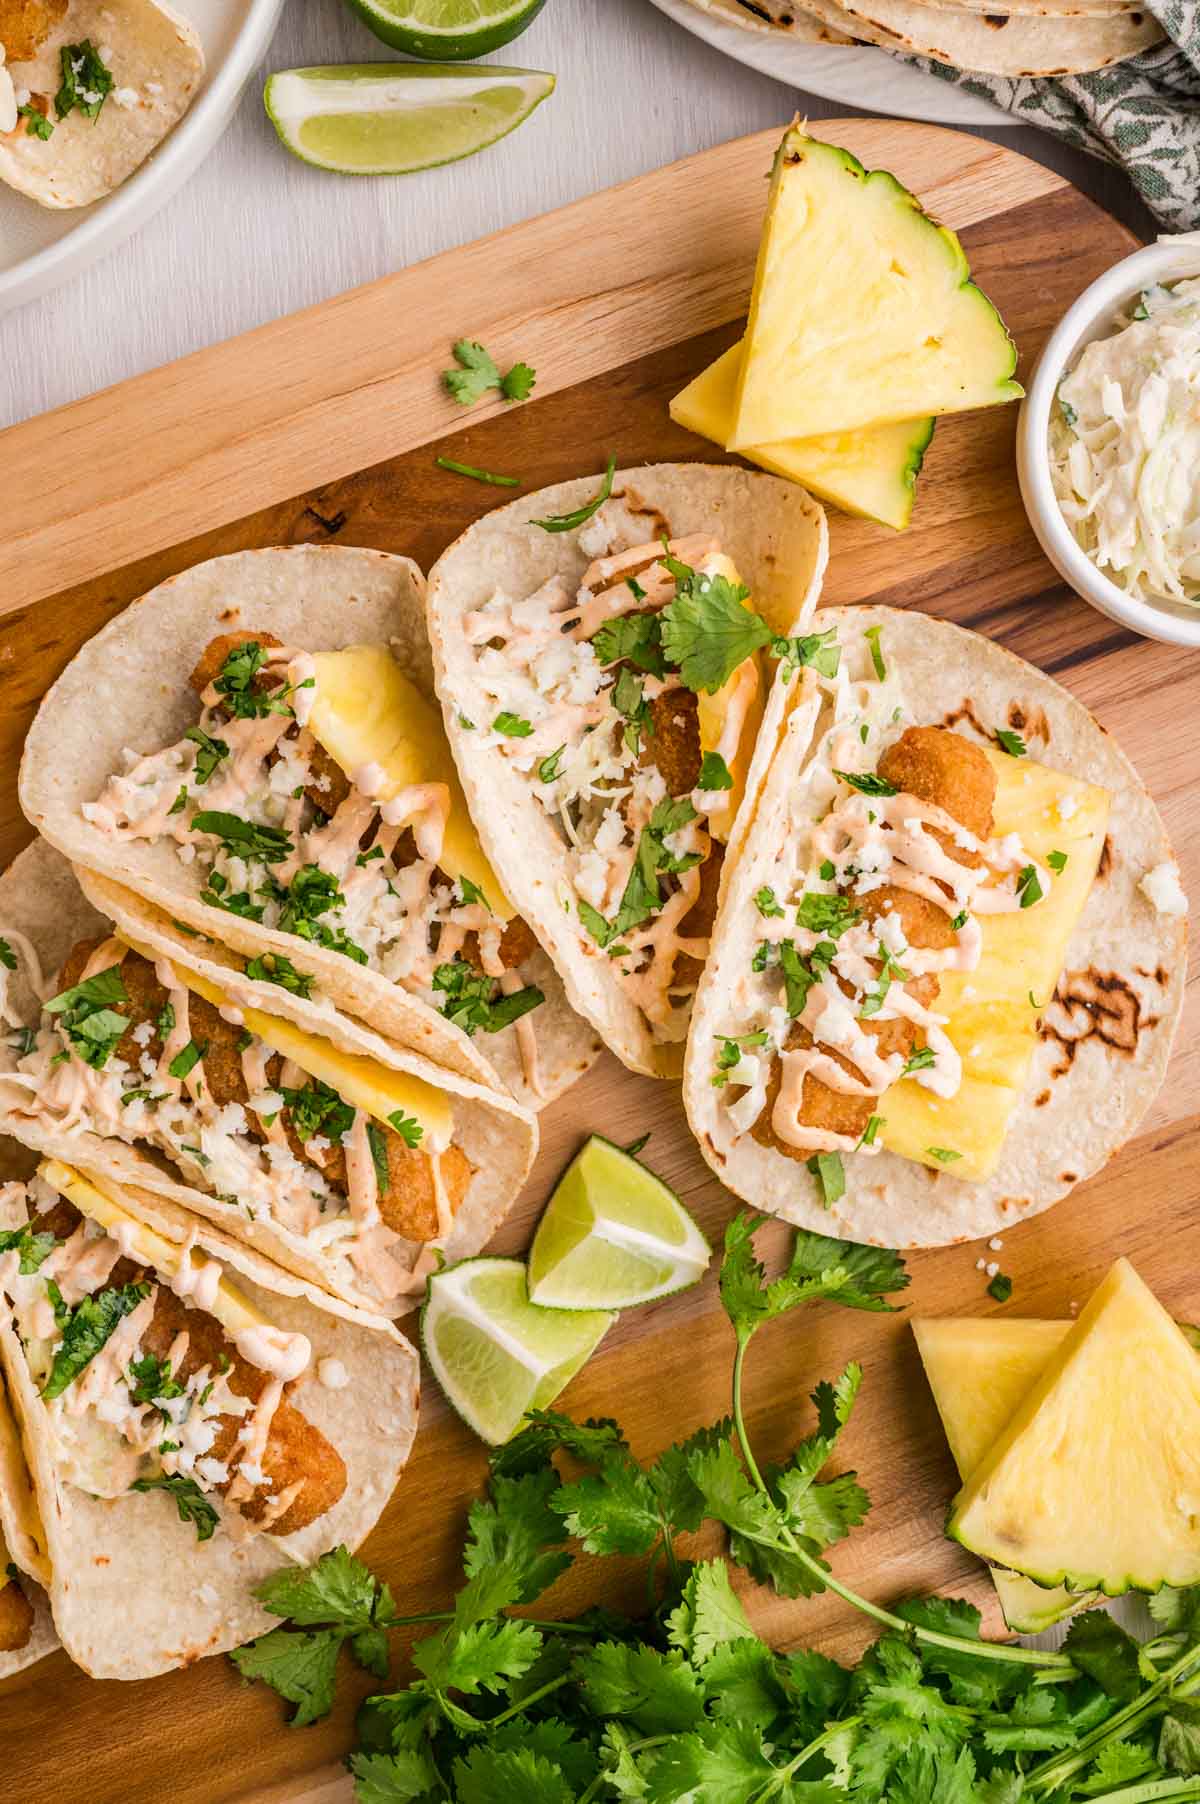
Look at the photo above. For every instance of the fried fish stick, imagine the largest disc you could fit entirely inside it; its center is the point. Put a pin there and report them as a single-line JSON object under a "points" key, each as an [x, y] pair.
{"points": [[16, 1611], [670, 741], [26, 24], [943, 769]]}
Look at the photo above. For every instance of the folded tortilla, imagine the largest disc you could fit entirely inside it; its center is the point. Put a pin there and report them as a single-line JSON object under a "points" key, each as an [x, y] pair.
{"points": [[1033, 1064], [517, 668], [128, 687], [133, 1588], [212, 1160], [24, 1562], [996, 44], [155, 62]]}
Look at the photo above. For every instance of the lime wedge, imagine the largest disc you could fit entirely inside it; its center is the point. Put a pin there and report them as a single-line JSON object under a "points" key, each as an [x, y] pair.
{"points": [[392, 118], [613, 1234], [493, 1353], [452, 28]]}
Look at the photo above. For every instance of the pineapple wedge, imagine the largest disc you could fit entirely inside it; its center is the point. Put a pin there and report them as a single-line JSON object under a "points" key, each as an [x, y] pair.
{"points": [[1095, 1482], [358, 1080], [364, 712], [872, 473], [94, 1199], [978, 1372], [862, 311], [994, 1010]]}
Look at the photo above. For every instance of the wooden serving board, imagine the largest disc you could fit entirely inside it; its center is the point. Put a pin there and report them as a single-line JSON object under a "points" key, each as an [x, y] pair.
{"points": [[326, 425]]}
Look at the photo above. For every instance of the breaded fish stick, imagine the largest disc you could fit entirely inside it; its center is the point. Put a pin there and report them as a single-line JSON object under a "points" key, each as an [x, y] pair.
{"points": [[16, 1611]]}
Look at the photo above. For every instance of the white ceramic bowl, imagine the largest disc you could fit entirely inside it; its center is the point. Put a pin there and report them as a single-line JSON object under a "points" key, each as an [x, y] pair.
{"points": [[1091, 317]]}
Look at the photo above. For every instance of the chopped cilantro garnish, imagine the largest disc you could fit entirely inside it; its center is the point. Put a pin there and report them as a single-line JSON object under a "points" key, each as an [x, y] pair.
{"points": [[636, 637], [1029, 890], [273, 967], [478, 475], [920, 1060], [30, 1247], [871, 1130], [377, 1141], [473, 1001], [209, 753], [143, 1093], [180, 802], [871, 635], [826, 914], [820, 650], [945, 1155], [1009, 742], [85, 1331], [1057, 861], [635, 588], [190, 1501], [150, 1377], [868, 783], [87, 1018], [830, 1174], [714, 772], [164, 1021], [707, 630], [730, 1053], [1001, 1287], [628, 700], [581, 515], [470, 893], [550, 769], [244, 839], [959, 921], [187, 1060], [316, 1108], [511, 725], [37, 123], [86, 81], [799, 975], [370, 857], [407, 1126], [8, 957], [764, 901]]}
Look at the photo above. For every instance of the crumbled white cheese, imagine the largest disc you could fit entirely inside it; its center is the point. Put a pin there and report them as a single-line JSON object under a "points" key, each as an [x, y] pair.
{"points": [[333, 1374], [595, 537], [1163, 890], [995, 1243], [992, 1268]]}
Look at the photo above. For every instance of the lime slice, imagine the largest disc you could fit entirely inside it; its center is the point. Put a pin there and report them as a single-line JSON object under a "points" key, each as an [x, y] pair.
{"points": [[492, 1352], [613, 1234], [452, 28], [392, 118]]}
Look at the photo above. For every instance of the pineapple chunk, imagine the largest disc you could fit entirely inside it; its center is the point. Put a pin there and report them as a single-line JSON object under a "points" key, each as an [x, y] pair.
{"points": [[872, 473], [101, 1203], [360, 1081], [992, 1019], [978, 1372], [365, 711], [1095, 1482], [862, 311]]}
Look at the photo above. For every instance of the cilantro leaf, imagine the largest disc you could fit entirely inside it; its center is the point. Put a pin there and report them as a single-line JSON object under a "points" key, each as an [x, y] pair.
{"points": [[8, 957], [820, 650], [210, 752], [709, 1614], [707, 631], [86, 81], [581, 515], [86, 1330], [1101, 1648], [338, 1589], [89, 1022], [839, 1271], [517, 1530], [190, 1501], [299, 1664], [489, 1774], [37, 123], [635, 637], [316, 1108], [150, 1377], [659, 1693], [31, 1248], [474, 1001], [243, 839], [477, 372], [764, 901], [714, 773], [1012, 743], [402, 1777], [872, 636], [273, 967], [830, 1173], [480, 1656], [868, 783], [518, 384]]}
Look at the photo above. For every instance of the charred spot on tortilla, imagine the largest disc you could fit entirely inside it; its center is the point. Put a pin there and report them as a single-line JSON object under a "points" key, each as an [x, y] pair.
{"points": [[658, 526], [1107, 859], [1041, 1099], [1095, 1005], [965, 711], [1033, 723]]}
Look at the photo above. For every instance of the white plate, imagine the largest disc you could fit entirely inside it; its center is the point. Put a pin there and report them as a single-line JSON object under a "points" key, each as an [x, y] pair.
{"points": [[41, 246], [853, 77]]}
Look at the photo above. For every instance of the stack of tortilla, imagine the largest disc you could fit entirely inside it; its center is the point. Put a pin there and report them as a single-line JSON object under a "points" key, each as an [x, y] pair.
{"points": [[1013, 38]]}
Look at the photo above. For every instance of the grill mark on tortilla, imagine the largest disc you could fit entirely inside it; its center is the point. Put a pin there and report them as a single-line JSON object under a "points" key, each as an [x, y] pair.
{"points": [[1034, 724], [1106, 862], [646, 509], [966, 711], [1092, 1004], [1041, 1099]]}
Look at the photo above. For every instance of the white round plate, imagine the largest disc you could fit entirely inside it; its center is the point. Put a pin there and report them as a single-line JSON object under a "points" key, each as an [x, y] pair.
{"points": [[852, 76], [42, 246]]}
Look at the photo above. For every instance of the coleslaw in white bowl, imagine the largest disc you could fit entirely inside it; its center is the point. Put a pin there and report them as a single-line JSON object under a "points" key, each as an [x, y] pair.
{"points": [[1108, 447]]}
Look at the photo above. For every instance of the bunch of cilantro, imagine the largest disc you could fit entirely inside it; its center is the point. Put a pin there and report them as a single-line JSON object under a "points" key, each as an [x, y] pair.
{"points": [[686, 1704]]}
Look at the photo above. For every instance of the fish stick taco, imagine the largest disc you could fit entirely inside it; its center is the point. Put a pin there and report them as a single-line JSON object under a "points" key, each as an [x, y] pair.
{"points": [[255, 748], [88, 89], [188, 1410], [219, 1083], [948, 968], [26, 1629], [605, 661]]}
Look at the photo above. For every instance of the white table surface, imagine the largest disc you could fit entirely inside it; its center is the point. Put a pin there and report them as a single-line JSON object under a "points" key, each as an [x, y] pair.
{"points": [[256, 234]]}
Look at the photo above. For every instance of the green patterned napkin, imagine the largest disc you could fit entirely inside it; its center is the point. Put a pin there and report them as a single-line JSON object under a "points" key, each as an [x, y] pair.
{"points": [[1143, 114]]}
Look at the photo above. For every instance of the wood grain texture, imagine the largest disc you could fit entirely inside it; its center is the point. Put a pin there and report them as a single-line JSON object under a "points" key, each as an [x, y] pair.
{"points": [[199, 1736], [311, 398]]}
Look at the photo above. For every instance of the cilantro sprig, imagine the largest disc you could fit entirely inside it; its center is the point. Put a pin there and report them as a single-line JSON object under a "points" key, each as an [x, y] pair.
{"points": [[475, 1002], [478, 371], [685, 1702]]}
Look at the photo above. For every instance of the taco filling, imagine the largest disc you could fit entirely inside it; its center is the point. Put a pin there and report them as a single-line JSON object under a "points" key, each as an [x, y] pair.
{"points": [[912, 926], [318, 796], [353, 1161], [154, 1372], [630, 704]]}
